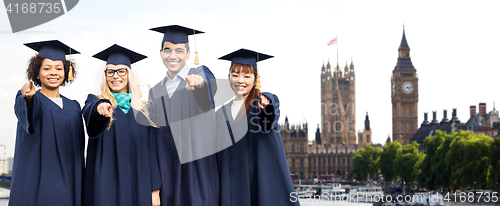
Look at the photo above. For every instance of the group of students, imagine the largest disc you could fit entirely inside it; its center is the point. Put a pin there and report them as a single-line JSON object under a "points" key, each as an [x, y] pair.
{"points": [[148, 153]]}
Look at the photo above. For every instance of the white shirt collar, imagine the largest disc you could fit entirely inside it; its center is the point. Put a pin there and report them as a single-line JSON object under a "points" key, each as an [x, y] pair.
{"points": [[182, 74]]}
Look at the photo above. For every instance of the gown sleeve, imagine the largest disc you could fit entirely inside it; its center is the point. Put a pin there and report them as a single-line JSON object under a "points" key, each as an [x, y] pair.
{"points": [[153, 162], [95, 123], [27, 115], [269, 116]]}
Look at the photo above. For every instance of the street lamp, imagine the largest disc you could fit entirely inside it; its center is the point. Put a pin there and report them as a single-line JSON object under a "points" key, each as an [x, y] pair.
{"points": [[454, 187], [474, 187], [404, 189]]}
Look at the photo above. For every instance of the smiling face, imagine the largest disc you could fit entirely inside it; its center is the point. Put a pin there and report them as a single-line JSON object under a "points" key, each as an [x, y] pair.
{"points": [[242, 80], [174, 56], [51, 74], [117, 78]]}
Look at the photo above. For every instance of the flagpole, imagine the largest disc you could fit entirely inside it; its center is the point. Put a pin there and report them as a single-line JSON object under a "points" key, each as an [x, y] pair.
{"points": [[337, 48]]}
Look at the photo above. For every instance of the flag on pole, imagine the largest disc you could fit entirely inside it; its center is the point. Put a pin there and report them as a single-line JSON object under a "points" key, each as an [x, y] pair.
{"points": [[332, 42]]}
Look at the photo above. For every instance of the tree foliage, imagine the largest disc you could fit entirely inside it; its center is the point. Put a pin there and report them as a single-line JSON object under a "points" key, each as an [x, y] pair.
{"points": [[405, 162], [468, 159], [365, 162], [386, 162], [494, 175], [457, 159]]}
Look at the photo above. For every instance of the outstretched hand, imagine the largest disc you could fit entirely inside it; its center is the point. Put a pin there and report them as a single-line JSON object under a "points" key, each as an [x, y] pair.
{"points": [[105, 109], [263, 101], [193, 81], [28, 91]]}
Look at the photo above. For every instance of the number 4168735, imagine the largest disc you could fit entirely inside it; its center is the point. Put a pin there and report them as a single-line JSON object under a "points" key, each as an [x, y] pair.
{"points": [[34, 8]]}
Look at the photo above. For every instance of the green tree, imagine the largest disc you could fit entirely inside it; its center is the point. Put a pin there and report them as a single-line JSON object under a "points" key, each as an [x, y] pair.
{"points": [[494, 174], [417, 168], [405, 162], [468, 159], [386, 162], [425, 176], [365, 163]]}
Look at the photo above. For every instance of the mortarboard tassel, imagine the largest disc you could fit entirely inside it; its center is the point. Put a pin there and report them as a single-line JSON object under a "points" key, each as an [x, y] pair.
{"points": [[70, 73], [196, 58], [257, 84]]}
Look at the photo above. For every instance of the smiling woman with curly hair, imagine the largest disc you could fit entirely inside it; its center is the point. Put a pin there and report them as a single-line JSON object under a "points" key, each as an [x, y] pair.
{"points": [[48, 158]]}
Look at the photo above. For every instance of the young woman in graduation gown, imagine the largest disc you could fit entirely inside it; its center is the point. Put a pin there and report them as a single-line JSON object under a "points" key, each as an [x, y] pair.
{"points": [[48, 157], [121, 164], [254, 170]]}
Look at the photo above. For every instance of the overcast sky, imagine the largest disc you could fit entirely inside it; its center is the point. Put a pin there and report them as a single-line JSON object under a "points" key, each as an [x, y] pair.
{"points": [[454, 47]]}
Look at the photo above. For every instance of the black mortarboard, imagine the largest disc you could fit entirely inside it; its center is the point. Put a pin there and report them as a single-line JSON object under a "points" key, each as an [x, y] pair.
{"points": [[53, 50], [176, 34], [245, 56], [119, 55]]}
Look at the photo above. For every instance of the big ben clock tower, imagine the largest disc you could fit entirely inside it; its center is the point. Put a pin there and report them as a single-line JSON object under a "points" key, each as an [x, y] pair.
{"points": [[404, 96]]}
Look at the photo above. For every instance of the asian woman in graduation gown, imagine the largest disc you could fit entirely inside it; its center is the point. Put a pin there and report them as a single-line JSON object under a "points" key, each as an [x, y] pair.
{"points": [[48, 157], [254, 170], [121, 157]]}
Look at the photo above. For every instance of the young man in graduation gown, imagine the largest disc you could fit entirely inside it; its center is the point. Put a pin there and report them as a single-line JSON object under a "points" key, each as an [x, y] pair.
{"points": [[183, 108]]}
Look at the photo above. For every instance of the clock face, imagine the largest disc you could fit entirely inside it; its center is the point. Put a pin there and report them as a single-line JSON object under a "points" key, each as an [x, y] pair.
{"points": [[352, 78], [407, 87]]}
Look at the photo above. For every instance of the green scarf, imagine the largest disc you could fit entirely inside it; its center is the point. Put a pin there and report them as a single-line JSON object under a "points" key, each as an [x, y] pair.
{"points": [[123, 101]]}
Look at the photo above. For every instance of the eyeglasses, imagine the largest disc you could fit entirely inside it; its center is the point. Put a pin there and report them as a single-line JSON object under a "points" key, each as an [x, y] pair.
{"points": [[111, 72]]}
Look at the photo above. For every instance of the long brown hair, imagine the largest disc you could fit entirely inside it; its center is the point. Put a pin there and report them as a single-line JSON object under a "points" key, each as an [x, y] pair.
{"points": [[249, 70]]}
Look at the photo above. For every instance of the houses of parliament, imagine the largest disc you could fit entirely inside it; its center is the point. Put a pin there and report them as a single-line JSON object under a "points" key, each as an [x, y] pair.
{"points": [[335, 143]]}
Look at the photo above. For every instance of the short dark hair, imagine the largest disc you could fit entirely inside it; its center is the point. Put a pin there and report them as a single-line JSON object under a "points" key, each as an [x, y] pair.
{"points": [[186, 44], [35, 64]]}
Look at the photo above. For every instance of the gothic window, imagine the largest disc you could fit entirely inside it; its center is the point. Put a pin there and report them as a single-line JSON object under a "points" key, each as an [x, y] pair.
{"points": [[301, 148], [293, 163], [368, 138], [293, 148], [301, 163], [361, 138]]}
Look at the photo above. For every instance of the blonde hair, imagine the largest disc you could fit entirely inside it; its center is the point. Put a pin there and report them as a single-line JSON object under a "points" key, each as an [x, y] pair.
{"points": [[133, 87]]}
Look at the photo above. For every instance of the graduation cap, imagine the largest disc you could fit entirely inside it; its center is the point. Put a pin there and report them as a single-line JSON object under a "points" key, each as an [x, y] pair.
{"points": [[116, 54], [176, 34], [55, 51], [245, 56]]}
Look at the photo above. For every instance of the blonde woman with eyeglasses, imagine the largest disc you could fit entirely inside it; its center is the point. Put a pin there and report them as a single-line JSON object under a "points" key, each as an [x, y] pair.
{"points": [[121, 157]]}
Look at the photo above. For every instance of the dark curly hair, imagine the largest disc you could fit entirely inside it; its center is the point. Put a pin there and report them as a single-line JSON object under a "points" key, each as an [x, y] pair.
{"points": [[35, 63]]}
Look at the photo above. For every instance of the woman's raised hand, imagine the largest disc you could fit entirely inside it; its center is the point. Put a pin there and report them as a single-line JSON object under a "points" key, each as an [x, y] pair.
{"points": [[263, 101], [28, 90], [105, 109]]}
